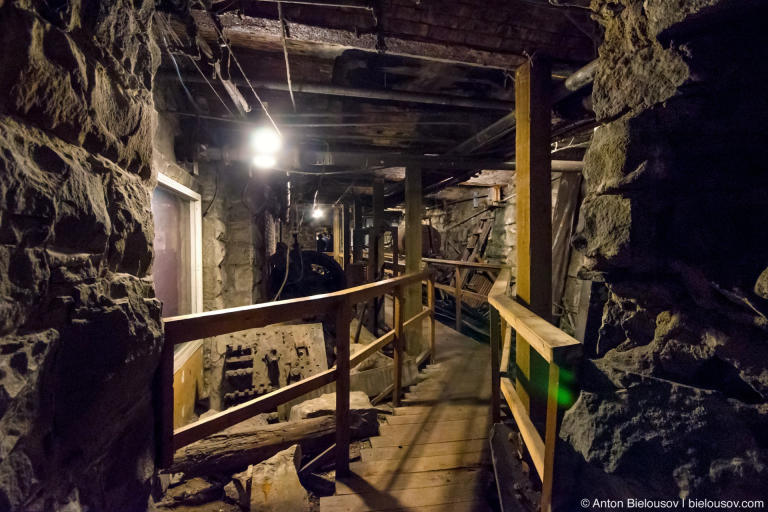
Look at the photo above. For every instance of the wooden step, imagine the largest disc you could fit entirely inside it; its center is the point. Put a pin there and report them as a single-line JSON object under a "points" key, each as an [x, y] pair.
{"points": [[423, 450], [384, 482], [445, 414], [477, 505], [400, 499], [417, 464], [431, 402], [423, 409], [458, 399], [436, 436], [408, 431]]}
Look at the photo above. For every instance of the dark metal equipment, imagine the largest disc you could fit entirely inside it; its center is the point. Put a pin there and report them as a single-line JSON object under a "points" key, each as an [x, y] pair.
{"points": [[308, 273]]}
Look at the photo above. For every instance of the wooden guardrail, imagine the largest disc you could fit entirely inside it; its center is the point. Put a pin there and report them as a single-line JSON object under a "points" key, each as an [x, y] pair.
{"points": [[557, 348], [185, 328], [459, 280], [460, 277]]}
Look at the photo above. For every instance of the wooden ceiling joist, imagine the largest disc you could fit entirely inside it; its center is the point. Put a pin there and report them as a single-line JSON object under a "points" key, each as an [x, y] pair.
{"points": [[265, 34]]}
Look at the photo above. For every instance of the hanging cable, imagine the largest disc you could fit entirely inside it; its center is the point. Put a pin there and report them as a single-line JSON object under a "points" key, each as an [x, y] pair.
{"points": [[176, 40], [284, 35], [285, 277], [215, 191], [178, 74], [242, 71]]}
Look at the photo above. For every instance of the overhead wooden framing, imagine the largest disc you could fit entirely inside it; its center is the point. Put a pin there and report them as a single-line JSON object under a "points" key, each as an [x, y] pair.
{"points": [[260, 33]]}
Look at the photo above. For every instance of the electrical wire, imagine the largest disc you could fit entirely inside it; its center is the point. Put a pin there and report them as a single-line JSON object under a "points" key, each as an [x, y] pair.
{"points": [[285, 277], [178, 74], [284, 36], [210, 85], [242, 72], [176, 40], [215, 191]]}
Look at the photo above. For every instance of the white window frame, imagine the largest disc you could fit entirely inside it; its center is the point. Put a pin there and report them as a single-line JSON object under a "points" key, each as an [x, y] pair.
{"points": [[195, 237], [185, 351]]}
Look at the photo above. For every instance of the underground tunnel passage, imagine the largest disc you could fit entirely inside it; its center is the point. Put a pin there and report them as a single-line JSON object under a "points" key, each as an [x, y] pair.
{"points": [[383, 255]]}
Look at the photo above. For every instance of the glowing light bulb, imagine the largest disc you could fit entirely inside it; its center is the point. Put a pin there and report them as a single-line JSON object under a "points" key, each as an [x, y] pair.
{"points": [[264, 161], [317, 213], [266, 141]]}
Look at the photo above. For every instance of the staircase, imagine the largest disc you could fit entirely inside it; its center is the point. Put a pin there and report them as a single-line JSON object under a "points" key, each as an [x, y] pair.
{"points": [[432, 453]]}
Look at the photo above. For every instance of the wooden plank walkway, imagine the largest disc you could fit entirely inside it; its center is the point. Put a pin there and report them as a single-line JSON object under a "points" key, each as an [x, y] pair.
{"points": [[432, 454]]}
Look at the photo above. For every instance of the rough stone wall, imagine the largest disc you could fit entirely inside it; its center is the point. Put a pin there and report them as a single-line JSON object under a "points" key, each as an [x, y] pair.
{"points": [[233, 255], [244, 258], [675, 401], [80, 330]]}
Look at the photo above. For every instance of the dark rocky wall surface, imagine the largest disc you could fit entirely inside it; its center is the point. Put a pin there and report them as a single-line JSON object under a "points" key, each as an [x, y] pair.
{"points": [[675, 403], [80, 330]]}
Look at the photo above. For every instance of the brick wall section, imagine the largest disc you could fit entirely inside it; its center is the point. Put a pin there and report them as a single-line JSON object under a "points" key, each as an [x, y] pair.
{"points": [[508, 27]]}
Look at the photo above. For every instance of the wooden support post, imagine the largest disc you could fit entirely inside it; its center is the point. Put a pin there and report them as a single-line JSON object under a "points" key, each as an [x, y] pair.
{"points": [[397, 379], [343, 318], [534, 215], [495, 342], [395, 252], [457, 296], [376, 252], [164, 394], [413, 248], [550, 438], [357, 237], [347, 241], [338, 237], [431, 306], [395, 263]]}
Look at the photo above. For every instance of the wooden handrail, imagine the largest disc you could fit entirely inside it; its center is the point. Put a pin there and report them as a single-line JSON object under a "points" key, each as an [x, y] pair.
{"points": [[550, 342], [180, 329], [457, 263], [466, 264], [190, 327], [457, 290], [556, 347]]}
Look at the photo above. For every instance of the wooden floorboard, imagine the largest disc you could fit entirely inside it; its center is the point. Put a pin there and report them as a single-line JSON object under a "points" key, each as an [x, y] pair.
{"points": [[423, 450], [432, 454], [404, 498], [464, 425], [437, 415], [447, 407], [355, 484], [416, 464]]}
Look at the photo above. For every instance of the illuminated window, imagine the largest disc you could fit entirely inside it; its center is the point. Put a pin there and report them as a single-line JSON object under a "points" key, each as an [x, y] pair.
{"points": [[177, 267]]}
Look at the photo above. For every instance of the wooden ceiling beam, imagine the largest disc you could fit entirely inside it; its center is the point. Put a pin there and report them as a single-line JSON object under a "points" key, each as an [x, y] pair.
{"points": [[262, 33]]}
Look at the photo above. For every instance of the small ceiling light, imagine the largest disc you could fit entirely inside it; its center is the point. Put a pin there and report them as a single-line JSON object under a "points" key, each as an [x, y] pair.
{"points": [[317, 213], [264, 161], [266, 141]]}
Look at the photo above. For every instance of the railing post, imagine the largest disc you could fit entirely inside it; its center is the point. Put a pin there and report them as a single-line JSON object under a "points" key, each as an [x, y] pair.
{"points": [[431, 306], [550, 437], [495, 341], [164, 394], [343, 318], [399, 344], [457, 278], [395, 262]]}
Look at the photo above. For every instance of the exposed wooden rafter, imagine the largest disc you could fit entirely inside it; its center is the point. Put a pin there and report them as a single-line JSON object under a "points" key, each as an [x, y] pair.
{"points": [[264, 34]]}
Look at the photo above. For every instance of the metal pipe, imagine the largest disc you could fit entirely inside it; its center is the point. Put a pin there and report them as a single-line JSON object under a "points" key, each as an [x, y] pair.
{"points": [[580, 78], [373, 94], [286, 126]]}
